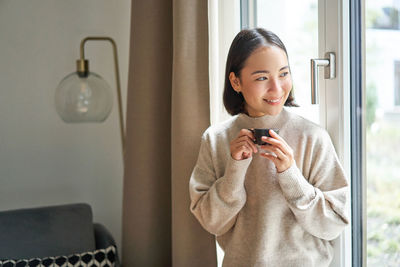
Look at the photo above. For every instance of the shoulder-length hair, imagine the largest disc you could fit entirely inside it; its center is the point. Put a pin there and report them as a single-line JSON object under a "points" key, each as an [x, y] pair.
{"points": [[245, 42]]}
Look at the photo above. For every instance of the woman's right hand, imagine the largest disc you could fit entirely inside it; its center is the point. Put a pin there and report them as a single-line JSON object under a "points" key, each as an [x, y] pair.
{"points": [[243, 147]]}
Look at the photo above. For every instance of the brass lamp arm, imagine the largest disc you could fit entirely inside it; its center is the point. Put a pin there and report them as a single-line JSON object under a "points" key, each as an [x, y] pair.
{"points": [[83, 67]]}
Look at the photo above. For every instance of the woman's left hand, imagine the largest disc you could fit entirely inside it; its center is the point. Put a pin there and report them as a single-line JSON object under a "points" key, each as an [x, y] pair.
{"points": [[283, 158]]}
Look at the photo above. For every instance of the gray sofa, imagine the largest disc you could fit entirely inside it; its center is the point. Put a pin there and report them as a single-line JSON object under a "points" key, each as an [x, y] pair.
{"points": [[51, 231]]}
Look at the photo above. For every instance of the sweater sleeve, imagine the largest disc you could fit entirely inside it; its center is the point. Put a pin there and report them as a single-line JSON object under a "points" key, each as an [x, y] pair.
{"points": [[216, 201], [319, 202]]}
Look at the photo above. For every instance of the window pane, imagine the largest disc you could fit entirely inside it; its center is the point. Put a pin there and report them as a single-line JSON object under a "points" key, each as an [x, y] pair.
{"points": [[296, 23], [383, 132]]}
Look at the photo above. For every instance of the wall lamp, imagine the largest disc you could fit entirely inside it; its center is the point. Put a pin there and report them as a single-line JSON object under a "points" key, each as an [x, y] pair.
{"points": [[84, 96]]}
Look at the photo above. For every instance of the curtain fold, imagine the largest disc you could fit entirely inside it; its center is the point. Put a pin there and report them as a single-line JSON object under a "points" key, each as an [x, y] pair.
{"points": [[168, 109], [191, 245], [146, 220]]}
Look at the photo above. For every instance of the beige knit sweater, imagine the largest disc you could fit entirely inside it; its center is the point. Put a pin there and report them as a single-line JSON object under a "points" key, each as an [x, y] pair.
{"points": [[264, 218]]}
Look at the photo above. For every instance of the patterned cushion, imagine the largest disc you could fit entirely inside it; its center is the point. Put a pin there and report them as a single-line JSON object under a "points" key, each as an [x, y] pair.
{"points": [[101, 257]]}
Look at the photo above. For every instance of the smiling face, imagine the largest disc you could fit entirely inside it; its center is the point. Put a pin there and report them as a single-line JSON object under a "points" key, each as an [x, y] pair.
{"points": [[264, 81]]}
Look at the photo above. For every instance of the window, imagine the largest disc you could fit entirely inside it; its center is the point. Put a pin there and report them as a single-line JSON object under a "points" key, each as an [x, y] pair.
{"points": [[303, 27], [382, 133], [386, 17]]}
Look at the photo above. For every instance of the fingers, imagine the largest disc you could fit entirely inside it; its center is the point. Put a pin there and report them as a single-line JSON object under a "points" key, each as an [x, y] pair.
{"points": [[278, 152], [245, 145], [276, 141], [247, 135], [242, 146], [282, 150], [245, 132], [241, 151], [271, 157], [249, 141], [283, 154]]}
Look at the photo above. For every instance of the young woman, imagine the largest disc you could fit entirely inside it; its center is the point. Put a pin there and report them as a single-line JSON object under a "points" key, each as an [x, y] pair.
{"points": [[279, 204]]}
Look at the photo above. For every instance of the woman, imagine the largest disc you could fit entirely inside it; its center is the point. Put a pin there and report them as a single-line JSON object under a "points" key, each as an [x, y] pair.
{"points": [[279, 204]]}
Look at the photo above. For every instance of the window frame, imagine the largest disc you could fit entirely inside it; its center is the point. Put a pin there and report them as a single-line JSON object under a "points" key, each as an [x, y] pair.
{"points": [[357, 103], [352, 22], [350, 26]]}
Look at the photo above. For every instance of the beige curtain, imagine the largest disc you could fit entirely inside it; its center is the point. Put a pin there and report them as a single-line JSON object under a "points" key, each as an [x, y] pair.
{"points": [[168, 109]]}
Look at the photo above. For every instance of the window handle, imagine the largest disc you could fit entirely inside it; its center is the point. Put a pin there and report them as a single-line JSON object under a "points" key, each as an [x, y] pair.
{"points": [[329, 64]]}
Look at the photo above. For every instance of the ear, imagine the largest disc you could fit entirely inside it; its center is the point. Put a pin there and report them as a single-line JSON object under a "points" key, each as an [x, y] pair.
{"points": [[235, 82]]}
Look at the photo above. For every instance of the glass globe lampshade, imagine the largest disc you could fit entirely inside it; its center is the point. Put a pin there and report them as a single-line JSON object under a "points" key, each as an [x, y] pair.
{"points": [[83, 98]]}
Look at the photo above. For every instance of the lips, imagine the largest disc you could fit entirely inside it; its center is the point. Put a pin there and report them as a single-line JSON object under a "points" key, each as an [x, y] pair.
{"points": [[273, 101]]}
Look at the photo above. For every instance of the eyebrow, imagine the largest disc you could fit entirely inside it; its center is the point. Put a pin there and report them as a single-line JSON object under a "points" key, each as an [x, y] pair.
{"points": [[266, 71]]}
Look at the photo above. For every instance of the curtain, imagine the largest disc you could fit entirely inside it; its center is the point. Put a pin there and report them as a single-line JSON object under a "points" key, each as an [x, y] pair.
{"points": [[168, 110]]}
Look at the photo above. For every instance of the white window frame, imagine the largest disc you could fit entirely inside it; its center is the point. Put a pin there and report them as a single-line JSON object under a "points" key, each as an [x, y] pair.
{"points": [[334, 36], [224, 16], [224, 24]]}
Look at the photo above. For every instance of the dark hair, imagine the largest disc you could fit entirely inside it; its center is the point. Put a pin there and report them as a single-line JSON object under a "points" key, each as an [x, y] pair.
{"points": [[245, 42]]}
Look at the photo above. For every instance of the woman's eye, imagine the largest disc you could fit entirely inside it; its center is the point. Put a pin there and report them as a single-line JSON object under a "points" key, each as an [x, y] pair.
{"points": [[261, 79], [284, 74]]}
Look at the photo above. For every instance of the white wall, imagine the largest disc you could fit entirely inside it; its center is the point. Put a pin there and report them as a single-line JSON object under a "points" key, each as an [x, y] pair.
{"points": [[44, 161]]}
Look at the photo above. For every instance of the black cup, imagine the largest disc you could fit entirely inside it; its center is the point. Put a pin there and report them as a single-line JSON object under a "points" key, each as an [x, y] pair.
{"points": [[258, 133]]}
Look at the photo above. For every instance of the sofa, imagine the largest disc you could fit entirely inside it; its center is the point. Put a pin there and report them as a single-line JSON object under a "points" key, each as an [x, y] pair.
{"points": [[62, 235]]}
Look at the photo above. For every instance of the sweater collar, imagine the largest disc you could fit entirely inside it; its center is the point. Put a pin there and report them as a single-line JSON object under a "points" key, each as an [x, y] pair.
{"points": [[266, 121]]}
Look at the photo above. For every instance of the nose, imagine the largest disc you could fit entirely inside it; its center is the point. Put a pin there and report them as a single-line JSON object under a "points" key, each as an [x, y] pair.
{"points": [[274, 85]]}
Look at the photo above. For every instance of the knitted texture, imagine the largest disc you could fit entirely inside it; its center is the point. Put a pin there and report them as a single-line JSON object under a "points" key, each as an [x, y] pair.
{"points": [[264, 218]]}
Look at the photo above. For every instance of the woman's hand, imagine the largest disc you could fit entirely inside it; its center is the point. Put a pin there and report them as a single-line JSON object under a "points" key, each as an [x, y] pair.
{"points": [[243, 146], [283, 158]]}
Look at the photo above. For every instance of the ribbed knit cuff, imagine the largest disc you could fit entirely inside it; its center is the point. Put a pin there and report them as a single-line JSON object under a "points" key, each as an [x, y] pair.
{"points": [[294, 185], [235, 173]]}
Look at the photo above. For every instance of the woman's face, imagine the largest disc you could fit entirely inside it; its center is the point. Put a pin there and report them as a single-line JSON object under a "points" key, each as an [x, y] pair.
{"points": [[264, 81]]}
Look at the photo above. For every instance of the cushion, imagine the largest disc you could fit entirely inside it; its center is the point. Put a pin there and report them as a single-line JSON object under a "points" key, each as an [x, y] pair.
{"points": [[101, 257], [46, 231]]}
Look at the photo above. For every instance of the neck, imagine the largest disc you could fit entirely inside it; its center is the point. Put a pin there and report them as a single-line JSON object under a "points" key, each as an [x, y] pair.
{"points": [[265, 121]]}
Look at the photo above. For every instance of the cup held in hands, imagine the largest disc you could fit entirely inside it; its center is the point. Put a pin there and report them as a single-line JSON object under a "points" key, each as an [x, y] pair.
{"points": [[258, 133]]}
